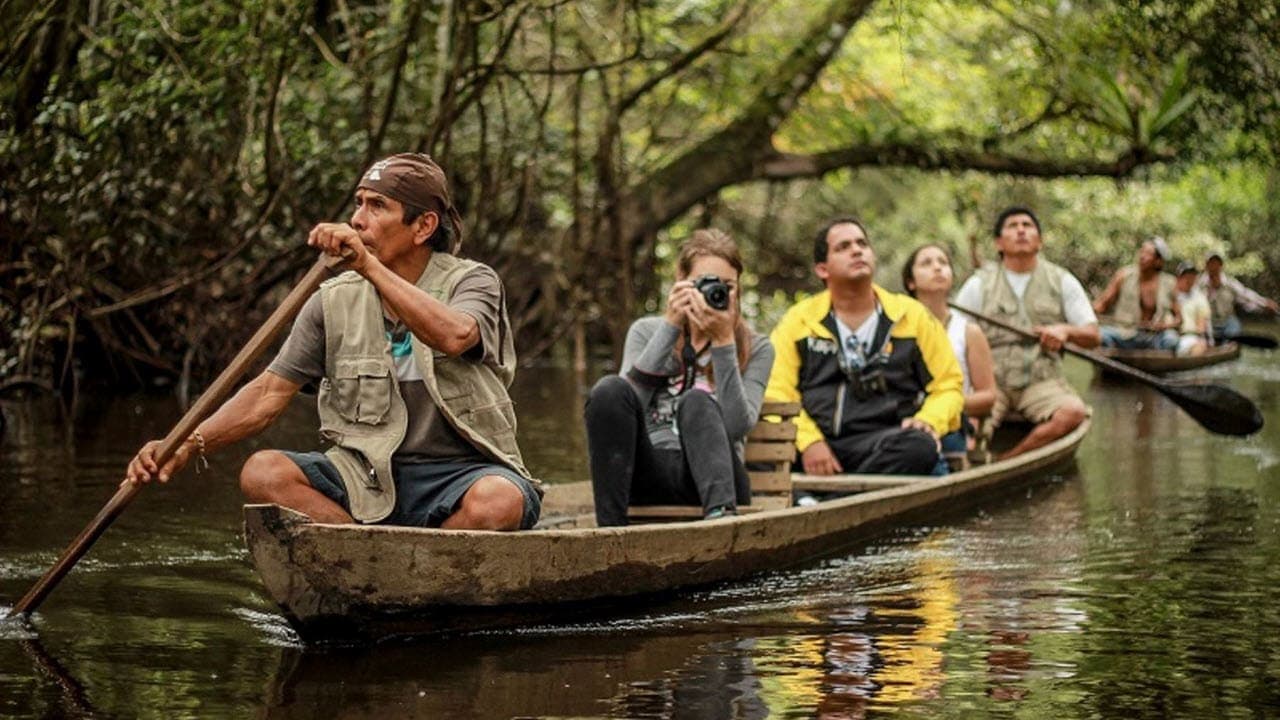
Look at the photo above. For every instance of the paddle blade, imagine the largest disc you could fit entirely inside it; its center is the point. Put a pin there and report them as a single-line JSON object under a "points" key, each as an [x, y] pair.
{"points": [[1219, 409], [1265, 342]]}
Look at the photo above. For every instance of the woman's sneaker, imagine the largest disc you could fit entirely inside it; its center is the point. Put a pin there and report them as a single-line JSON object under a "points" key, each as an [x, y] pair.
{"points": [[720, 511]]}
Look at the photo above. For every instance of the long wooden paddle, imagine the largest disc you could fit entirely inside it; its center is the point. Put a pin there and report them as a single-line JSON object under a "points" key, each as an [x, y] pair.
{"points": [[219, 391], [1219, 409]]}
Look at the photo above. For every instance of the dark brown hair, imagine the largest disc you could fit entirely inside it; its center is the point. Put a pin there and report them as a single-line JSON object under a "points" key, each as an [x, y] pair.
{"points": [[820, 240], [909, 277]]}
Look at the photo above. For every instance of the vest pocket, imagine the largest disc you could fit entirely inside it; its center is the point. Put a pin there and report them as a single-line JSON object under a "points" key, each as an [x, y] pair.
{"points": [[1043, 307], [495, 422], [363, 391]]}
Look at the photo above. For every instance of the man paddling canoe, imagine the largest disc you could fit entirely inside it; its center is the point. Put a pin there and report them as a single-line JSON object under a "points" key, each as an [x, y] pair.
{"points": [[413, 354], [1028, 291], [1225, 293]]}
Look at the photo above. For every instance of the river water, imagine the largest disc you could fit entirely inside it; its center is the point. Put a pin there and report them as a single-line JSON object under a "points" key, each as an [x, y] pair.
{"points": [[1137, 583]]}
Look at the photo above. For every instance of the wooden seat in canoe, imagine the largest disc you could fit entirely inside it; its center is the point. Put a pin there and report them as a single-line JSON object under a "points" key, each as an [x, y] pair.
{"points": [[770, 450]]}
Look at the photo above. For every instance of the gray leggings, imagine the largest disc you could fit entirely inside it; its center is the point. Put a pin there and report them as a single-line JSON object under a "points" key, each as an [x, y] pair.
{"points": [[626, 469]]}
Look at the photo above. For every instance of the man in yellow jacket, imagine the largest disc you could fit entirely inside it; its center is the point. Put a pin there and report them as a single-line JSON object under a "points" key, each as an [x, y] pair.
{"points": [[873, 370]]}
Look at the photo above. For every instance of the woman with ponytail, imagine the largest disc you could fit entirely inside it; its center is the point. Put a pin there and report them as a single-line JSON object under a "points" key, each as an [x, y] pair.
{"points": [[927, 276]]}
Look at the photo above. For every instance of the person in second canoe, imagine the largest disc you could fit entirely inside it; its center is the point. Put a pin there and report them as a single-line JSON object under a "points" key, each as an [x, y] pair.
{"points": [[1225, 293], [1026, 290], [1143, 301], [1197, 317], [927, 277], [873, 370], [412, 352], [669, 429]]}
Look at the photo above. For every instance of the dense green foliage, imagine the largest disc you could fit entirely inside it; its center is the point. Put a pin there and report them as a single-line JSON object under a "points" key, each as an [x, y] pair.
{"points": [[161, 161]]}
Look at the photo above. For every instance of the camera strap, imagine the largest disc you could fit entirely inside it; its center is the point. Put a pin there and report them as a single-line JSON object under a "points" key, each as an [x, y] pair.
{"points": [[689, 359], [869, 353]]}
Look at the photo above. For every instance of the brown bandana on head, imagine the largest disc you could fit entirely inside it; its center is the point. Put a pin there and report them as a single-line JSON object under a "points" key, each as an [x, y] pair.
{"points": [[415, 179]]}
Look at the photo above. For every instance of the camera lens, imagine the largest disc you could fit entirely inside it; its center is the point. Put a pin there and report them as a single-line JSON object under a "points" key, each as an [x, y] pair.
{"points": [[718, 297], [714, 290]]}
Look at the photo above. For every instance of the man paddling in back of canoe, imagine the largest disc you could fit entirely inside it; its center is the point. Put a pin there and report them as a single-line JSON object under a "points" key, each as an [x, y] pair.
{"points": [[1225, 293], [873, 370], [1026, 290], [413, 355]]}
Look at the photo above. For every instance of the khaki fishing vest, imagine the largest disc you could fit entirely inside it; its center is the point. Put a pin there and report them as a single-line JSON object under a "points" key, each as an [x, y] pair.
{"points": [[361, 410], [1222, 302], [1128, 312], [1019, 362]]}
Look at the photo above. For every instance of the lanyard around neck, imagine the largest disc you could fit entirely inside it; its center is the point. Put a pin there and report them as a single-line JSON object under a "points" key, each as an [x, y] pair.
{"points": [[689, 358]]}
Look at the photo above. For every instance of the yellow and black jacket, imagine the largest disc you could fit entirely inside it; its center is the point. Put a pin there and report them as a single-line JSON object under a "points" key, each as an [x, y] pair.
{"points": [[921, 372]]}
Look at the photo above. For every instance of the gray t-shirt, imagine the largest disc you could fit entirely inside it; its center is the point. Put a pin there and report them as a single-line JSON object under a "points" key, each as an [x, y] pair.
{"points": [[429, 436]]}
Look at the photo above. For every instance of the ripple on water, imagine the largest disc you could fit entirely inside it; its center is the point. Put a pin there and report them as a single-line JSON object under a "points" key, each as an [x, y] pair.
{"points": [[34, 565], [272, 628], [1264, 457], [622, 626], [15, 627], [1263, 371]]}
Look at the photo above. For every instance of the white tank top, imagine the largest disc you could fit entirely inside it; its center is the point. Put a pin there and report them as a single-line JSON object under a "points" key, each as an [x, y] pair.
{"points": [[956, 325]]}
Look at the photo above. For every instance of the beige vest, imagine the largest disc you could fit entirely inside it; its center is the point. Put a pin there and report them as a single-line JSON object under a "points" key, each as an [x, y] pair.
{"points": [[1019, 362], [361, 410], [1128, 311], [1222, 302]]}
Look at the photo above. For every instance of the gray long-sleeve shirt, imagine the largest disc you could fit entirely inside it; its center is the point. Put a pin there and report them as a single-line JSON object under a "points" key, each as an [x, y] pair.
{"points": [[649, 349]]}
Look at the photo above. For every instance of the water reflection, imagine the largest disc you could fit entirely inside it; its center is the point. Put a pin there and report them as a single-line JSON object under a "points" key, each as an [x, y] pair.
{"points": [[1138, 586], [72, 700], [850, 637], [639, 677]]}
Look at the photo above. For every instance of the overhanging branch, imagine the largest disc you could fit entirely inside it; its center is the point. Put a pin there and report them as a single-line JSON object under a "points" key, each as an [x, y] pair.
{"points": [[686, 59], [725, 157], [790, 166]]}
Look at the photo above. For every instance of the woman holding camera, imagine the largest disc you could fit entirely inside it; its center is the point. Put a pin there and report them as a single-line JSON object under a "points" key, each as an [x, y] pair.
{"points": [[927, 277], [669, 428]]}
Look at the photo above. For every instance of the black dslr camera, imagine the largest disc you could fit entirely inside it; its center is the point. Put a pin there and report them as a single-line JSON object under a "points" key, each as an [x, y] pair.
{"points": [[714, 290], [865, 375], [868, 380]]}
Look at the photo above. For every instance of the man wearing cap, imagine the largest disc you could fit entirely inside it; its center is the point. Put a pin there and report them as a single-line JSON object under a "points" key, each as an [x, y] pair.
{"points": [[412, 352], [1143, 301], [1026, 290], [1196, 315], [1225, 293]]}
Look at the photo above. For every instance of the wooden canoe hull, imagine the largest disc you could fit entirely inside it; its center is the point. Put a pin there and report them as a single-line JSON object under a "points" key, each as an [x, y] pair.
{"points": [[1158, 362], [345, 582]]}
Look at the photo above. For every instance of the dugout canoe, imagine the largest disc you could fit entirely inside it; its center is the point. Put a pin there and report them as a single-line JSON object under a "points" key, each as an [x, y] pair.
{"points": [[358, 583], [1159, 362]]}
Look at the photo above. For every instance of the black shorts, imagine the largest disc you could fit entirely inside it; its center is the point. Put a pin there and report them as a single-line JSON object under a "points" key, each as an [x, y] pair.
{"points": [[426, 493]]}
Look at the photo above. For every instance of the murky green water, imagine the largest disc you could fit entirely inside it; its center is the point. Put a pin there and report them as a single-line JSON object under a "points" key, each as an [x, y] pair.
{"points": [[1139, 584]]}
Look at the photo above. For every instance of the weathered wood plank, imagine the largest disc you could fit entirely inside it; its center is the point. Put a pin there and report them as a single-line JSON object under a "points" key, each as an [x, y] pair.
{"points": [[375, 580], [777, 431], [770, 452], [1165, 361], [785, 409], [854, 483], [770, 481], [689, 511]]}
